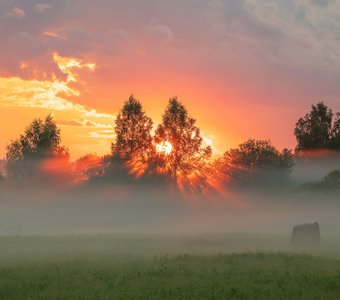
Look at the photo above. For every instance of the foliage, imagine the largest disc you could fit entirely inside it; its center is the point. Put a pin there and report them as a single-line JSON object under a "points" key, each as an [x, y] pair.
{"points": [[316, 131], [257, 161], [330, 183], [135, 152], [133, 143], [333, 177], [335, 143], [133, 130], [87, 167], [117, 170], [179, 129], [40, 141]]}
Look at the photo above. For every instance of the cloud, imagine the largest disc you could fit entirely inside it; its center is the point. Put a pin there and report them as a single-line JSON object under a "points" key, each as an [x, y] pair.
{"points": [[50, 95], [72, 123], [263, 53], [83, 123], [16, 92], [103, 134], [160, 32], [15, 12], [42, 8], [54, 35], [67, 66], [18, 12]]}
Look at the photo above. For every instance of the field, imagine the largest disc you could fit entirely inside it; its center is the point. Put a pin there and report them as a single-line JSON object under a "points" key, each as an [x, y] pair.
{"points": [[234, 266]]}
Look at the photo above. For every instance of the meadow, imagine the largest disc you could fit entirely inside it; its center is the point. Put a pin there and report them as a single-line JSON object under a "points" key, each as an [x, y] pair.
{"points": [[152, 266]]}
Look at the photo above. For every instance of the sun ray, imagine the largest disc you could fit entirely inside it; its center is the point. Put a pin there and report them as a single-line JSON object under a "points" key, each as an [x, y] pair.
{"points": [[164, 147]]}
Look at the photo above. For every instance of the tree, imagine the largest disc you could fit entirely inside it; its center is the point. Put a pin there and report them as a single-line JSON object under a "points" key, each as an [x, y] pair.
{"points": [[333, 177], [335, 142], [330, 183], [133, 145], [186, 152], [40, 141], [88, 167], [257, 162], [314, 130], [133, 130], [2, 177]]}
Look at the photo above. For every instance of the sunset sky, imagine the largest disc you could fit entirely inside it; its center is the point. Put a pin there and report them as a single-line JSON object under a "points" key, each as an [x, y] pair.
{"points": [[243, 68]]}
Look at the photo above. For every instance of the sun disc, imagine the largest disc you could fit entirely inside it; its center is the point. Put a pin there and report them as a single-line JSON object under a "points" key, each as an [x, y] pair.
{"points": [[164, 147]]}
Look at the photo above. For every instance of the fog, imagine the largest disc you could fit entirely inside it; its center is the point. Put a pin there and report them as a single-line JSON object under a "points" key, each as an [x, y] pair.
{"points": [[224, 219], [37, 209], [315, 165]]}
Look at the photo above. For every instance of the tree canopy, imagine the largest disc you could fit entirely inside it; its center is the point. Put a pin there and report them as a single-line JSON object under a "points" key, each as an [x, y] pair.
{"points": [[88, 167], [175, 151], [316, 129], [257, 161], [330, 182], [133, 129], [335, 143], [132, 147], [179, 130], [41, 140]]}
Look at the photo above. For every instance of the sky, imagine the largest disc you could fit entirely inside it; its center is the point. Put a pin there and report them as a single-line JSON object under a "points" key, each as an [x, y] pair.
{"points": [[243, 68]]}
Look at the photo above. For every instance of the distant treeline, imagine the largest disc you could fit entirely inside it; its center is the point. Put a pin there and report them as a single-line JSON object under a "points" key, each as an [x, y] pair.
{"points": [[174, 154]]}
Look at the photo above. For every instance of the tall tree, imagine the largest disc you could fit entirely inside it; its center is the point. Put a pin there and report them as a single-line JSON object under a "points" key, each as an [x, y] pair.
{"points": [[40, 141], [257, 161], [179, 130], [314, 130], [133, 130], [133, 144]]}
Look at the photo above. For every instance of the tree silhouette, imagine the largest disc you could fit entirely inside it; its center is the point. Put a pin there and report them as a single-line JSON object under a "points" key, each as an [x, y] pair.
{"points": [[335, 141], [133, 130], [40, 141], [133, 144], [330, 183], [2, 177], [257, 161], [314, 130], [88, 167], [178, 129]]}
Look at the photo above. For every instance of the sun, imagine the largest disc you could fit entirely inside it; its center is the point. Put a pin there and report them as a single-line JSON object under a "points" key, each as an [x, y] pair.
{"points": [[164, 147]]}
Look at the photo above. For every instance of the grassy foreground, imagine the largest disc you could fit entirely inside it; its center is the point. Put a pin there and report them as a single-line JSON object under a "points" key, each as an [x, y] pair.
{"points": [[132, 268]]}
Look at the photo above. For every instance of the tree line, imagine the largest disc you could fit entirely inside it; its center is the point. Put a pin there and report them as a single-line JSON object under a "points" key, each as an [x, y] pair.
{"points": [[174, 153]]}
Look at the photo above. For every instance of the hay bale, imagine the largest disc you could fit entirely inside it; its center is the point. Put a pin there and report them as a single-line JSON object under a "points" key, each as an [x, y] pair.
{"points": [[306, 235]]}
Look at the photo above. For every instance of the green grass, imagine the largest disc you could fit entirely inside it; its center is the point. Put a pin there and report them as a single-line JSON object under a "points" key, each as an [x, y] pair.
{"points": [[154, 267]]}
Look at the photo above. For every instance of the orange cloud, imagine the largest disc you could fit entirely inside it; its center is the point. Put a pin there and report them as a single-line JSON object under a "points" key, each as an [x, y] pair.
{"points": [[51, 96], [67, 66], [103, 134], [82, 123], [17, 92]]}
